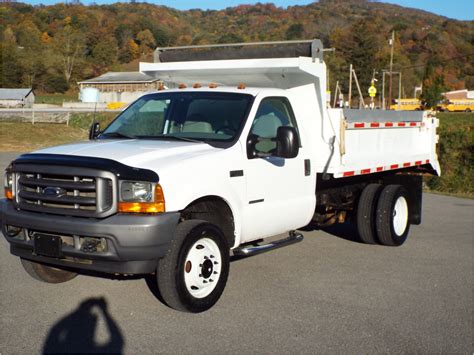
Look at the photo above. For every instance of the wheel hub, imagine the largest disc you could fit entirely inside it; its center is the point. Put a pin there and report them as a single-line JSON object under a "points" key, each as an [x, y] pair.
{"points": [[202, 267], [207, 268], [400, 216]]}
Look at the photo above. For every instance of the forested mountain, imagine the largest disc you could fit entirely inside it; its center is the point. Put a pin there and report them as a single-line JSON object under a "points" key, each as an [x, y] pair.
{"points": [[52, 47]]}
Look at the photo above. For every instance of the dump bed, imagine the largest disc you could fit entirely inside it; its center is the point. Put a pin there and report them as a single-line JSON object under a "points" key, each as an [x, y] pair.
{"points": [[372, 141]]}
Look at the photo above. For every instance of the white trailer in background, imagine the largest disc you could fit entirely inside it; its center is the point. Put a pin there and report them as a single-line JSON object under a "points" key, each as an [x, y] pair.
{"points": [[228, 153]]}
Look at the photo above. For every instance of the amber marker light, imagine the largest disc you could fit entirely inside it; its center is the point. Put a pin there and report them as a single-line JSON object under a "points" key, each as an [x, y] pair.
{"points": [[157, 206], [8, 183], [8, 194]]}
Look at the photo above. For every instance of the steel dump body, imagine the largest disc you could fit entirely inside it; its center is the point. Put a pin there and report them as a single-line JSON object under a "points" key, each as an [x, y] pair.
{"points": [[365, 141], [376, 141]]}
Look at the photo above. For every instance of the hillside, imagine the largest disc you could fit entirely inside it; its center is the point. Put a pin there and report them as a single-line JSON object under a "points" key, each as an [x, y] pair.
{"points": [[51, 47]]}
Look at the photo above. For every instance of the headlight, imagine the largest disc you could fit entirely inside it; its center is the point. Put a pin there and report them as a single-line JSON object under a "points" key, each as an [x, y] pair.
{"points": [[141, 197], [136, 191], [8, 184]]}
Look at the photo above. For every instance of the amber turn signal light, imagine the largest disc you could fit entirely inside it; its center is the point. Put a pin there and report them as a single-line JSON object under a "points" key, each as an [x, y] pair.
{"points": [[157, 206]]}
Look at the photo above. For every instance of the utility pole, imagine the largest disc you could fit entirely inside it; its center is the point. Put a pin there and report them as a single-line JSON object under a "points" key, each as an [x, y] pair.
{"points": [[350, 85], [383, 88], [399, 90], [392, 44]]}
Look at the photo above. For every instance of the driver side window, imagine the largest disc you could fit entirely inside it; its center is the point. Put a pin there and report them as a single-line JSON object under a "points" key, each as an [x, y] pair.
{"points": [[273, 112]]}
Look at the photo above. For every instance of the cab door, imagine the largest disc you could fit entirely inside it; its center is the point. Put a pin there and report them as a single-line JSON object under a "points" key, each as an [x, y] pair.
{"points": [[279, 190]]}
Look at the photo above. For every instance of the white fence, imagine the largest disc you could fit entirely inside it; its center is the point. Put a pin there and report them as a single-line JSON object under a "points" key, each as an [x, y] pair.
{"points": [[59, 115]]}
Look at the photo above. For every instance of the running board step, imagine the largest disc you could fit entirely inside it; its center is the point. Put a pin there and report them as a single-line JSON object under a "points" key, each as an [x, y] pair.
{"points": [[258, 249]]}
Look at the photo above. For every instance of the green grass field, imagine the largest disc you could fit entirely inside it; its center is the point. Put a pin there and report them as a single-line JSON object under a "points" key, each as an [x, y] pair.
{"points": [[455, 149], [25, 137], [55, 99], [455, 154]]}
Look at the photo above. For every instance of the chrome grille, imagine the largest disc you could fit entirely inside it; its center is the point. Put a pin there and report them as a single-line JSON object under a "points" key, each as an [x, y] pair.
{"points": [[68, 193]]}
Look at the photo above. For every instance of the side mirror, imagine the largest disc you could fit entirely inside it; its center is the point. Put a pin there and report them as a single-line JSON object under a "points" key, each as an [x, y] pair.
{"points": [[287, 142], [94, 131]]}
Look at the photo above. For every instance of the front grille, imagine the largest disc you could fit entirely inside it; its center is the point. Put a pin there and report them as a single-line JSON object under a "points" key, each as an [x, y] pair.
{"points": [[72, 192]]}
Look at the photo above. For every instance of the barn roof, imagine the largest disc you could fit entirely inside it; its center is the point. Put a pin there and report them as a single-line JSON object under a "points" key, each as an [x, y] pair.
{"points": [[120, 77], [14, 94]]}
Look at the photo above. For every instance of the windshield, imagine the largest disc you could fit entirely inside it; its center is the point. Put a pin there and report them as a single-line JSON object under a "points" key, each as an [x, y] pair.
{"points": [[190, 116]]}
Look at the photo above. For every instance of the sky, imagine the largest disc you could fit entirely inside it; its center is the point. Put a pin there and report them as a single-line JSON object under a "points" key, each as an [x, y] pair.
{"points": [[457, 9]]}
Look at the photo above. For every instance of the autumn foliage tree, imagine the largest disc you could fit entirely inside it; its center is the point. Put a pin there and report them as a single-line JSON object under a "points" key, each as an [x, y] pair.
{"points": [[41, 43], [69, 45]]}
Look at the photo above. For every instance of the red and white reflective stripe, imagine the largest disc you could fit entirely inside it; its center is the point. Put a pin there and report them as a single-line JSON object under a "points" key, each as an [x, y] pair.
{"points": [[379, 169], [355, 125]]}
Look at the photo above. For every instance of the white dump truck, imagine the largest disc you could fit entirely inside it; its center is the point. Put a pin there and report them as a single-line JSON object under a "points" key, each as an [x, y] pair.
{"points": [[229, 152]]}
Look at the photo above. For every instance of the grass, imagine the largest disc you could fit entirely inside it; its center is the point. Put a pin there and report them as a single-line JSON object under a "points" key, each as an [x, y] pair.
{"points": [[26, 137], [455, 154], [455, 149], [55, 99]]}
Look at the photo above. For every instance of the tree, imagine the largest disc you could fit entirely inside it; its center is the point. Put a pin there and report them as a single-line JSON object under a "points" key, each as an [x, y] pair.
{"points": [[45, 38], [70, 47], [146, 40], [56, 83], [10, 70], [433, 85], [359, 46], [104, 54], [295, 31]]}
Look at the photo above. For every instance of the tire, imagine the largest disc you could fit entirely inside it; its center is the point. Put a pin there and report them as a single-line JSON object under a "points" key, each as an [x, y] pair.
{"points": [[193, 274], [392, 216], [467, 110], [45, 273], [366, 209]]}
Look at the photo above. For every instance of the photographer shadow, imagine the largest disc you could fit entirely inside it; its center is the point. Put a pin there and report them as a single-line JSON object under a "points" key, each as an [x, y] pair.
{"points": [[76, 332]]}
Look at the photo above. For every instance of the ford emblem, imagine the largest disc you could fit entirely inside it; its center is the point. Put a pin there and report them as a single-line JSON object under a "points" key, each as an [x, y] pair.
{"points": [[54, 191]]}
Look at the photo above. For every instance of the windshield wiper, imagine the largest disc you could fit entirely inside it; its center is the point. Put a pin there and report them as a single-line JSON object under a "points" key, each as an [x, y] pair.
{"points": [[117, 135], [169, 136]]}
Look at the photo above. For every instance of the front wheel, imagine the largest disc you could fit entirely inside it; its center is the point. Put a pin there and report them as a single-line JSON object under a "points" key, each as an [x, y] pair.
{"points": [[192, 275], [45, 273], [392, 216]]}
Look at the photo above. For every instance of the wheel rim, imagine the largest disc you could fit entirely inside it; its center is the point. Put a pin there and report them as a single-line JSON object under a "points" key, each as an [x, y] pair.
{"points": [[202, 268], [400, 216]]}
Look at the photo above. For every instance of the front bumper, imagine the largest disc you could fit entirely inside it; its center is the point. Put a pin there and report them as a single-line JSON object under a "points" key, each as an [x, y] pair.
{"points": [[134, 243]]}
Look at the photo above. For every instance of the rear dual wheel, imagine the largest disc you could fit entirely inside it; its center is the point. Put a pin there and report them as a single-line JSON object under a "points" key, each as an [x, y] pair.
{"points": [[383, 215], [366, 210], [392, 216]]}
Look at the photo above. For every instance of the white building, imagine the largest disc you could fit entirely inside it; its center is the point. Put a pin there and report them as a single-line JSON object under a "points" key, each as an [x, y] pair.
{"points": [[17, 97], [120, 86]]}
